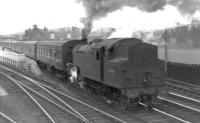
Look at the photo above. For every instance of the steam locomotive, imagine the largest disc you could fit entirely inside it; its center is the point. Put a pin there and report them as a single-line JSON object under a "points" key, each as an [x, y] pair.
{"points": [[124, 70]]}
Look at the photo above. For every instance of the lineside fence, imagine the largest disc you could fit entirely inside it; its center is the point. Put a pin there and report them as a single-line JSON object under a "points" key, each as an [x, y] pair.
{"points": [[19, 61], [12, 59], [184, 72]]}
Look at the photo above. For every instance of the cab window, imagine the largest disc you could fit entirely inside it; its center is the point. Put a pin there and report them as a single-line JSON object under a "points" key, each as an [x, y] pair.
{"points": [[97, 55]]}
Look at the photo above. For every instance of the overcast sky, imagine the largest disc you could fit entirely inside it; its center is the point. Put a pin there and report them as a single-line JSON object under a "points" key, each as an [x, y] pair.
{"points": [[18, 15]]}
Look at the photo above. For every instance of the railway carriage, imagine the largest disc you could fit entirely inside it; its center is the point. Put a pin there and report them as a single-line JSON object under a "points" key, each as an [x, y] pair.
{"points": [[17, 46], [56, 53], [6, 44], [29, 49]]}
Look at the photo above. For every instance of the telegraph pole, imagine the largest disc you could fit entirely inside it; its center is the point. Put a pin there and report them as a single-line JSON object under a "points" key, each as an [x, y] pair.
{"points": [[166, 52]]}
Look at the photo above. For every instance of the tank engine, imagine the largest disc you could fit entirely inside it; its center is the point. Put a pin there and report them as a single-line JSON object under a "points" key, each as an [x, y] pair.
{"points": [[124, 70]]}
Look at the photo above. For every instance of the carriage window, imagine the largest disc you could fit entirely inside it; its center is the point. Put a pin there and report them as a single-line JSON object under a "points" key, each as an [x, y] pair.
{"points": [[57, 53], [111, 51], [60, 53], [50, 53], [54, 53], [97, 55], [43, 51], [46, 52], [30, 49]]}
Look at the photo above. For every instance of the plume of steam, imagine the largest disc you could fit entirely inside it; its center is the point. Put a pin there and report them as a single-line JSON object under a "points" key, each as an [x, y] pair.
{"points": [[96, 9], [87, 27], [102, 33], [110, 32]]}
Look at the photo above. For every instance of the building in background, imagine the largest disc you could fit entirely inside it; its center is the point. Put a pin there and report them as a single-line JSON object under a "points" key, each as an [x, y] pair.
{"points": [[36, 34]]}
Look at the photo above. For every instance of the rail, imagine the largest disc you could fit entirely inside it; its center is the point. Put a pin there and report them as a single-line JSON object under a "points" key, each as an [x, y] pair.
{"points": [[183, 85], [24, 90], [8, 118], [162, 112], [43, 85]]}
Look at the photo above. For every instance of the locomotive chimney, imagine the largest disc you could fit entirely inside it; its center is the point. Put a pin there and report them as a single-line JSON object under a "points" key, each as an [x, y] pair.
{"points": [[84, 40], [84, 36], [86, 29]]}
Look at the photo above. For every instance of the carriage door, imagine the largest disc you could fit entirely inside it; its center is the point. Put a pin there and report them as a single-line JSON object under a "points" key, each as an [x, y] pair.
{"points": [[100, 58], [102, 52]]}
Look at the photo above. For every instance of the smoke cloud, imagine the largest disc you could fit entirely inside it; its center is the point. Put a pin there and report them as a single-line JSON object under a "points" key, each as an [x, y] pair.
{"points": [[186, 7], [96, 9], [87, 27]]}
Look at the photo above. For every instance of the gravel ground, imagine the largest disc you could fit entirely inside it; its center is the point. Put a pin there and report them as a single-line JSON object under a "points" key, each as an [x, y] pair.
{"points": [[18, 107]]}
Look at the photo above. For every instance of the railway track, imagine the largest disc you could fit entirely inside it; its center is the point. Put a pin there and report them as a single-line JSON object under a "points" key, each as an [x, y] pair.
{"points": [[159, 109], [147, 116], [86, 112], [18, 92], [184, 89], [188, 96], [5, 119], [58, 114], [183, 101], [133, 116], [53, 112], [179, 110]]}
